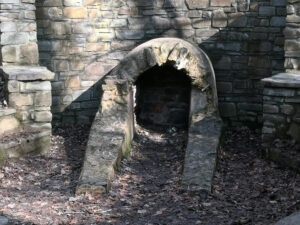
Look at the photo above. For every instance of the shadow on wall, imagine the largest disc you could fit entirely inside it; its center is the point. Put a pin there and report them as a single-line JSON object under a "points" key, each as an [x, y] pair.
{"points": [[243, 49]]}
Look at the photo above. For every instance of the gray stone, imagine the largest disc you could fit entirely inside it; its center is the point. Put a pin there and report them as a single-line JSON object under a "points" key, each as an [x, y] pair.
{"points": [[201, 153], [24, 73], [270, 108], [14, 38], [287, 109], [130, 34], [279, 2], [283, 80], [266, 11], [237, 20], [277, 21], [279, 92], [227, 109], [3, 220], [195, 4], [219, 19], [35, 86]]}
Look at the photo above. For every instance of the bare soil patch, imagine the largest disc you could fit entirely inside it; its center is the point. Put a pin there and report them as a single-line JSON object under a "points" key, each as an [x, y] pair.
{"points": [[247, 188]]}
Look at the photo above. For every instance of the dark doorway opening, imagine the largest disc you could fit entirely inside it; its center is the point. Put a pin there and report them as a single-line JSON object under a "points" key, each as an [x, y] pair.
{"points": [[163, 97]]}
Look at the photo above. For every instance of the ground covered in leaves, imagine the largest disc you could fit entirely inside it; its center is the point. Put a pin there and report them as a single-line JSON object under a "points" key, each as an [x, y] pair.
{"points": [[146, 190]]}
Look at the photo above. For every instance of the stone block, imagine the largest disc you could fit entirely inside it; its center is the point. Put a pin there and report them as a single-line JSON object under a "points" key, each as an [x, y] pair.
{"points": [[195, 4], [277, 21], [224, 87], [237, 20], [61, 65], [94, 47], [96, 71], [227, 109], [82, 28], [72, 2], [130, 34], [259, 62], [13, 86], [243, 5], [75, 12], [18, 100], [224, 63], [287, 109], [201, 23], [42, 99], [8, 27], [292, 45], [219, 19], [14, 38], [266, 11], [59, 28], [35, 86], [220, 2], [270, 108], [42, 116], [8, 123], [284, 92], [9, 54], [73, 82], [29, 54], [279, 2]]}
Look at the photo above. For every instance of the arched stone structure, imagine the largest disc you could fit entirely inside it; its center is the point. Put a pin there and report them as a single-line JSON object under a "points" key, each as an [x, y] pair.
{"points": [[113, 127]]}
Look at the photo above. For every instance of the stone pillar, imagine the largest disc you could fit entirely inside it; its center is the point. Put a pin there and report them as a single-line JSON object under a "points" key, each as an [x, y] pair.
{"points": [[292, 37], [29, 93], [281, 101], [18, 32]]}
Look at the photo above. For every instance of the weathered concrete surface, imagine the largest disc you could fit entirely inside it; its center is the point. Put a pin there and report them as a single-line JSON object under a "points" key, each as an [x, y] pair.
{"points": [[201, 153], [113, 127], [293, 219]]}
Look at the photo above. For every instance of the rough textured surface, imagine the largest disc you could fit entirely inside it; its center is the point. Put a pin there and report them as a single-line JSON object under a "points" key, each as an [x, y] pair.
{"points": [[3, 220], [293, 219], [29, 93], [18, 33], [201, 153], [24, 143], [290, 80], [281, 106], [244, 40], [112, 130]]}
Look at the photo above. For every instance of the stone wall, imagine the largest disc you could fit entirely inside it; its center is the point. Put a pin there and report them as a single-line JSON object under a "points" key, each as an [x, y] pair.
{"points": [[281, 105], [18, 32], [81, 40]]}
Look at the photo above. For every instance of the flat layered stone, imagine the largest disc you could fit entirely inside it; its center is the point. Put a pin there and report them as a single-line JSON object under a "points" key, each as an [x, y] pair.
{"points": [[290, 220], [201, 153], [290, 80], [26, 73]]}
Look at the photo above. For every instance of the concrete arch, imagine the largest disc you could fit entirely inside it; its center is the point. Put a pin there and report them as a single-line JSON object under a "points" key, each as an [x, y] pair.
{"points": [[113, 128]]}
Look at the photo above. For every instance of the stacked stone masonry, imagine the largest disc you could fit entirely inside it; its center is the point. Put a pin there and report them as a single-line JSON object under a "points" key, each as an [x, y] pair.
{"points": [[82, 40], [281, 101], [18, 32], [292, 37], [281, 108]]}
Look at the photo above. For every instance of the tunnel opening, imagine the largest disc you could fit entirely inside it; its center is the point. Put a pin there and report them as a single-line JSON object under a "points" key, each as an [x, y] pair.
{"points": [[162, 97]]}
